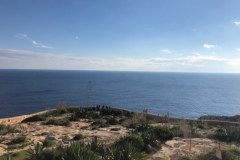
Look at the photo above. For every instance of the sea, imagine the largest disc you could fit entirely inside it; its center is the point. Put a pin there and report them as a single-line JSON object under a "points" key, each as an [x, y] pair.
{"points": [[187, 95]]}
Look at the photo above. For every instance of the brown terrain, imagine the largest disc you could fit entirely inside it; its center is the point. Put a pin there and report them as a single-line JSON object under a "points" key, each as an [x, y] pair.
{"points": [[37, 132]]}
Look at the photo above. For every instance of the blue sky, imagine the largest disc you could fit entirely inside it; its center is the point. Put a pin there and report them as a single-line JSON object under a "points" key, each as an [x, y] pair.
{"points": [[121, 35]]}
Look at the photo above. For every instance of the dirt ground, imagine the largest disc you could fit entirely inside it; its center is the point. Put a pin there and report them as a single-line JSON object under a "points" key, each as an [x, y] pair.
{"points": [[37, 132]]}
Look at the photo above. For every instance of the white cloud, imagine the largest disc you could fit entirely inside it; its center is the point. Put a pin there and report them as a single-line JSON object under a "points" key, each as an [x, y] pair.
{"points": [[208, 46], [40, 45], [27, 59], [238, 49], [237, 23], [22, 36], [166, 51], [34, 42]]}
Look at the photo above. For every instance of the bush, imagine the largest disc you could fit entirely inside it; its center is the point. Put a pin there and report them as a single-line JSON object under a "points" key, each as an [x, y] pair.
{"points": [[123, 151], [129, 123], [112, 121], [134, 139], [17, 140], [177, 131], [6, 129], [185, 158], [115, 129], [111, 111], [78, 137], [35, 118], [79, 151], [58, 122], [62, 108], [47, 143], [100, 123], [231, 154], [143, 125], [162, 133], [74, 117]]}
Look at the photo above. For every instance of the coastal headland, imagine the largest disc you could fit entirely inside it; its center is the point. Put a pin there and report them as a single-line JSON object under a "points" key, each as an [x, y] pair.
{"points": [[108, 127]]}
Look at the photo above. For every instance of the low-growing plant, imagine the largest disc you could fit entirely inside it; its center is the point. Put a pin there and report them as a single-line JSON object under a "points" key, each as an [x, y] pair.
{"points": [[185, 158], [17, 140], [78, 137], [58, 122], [113, 121], [162, 133], [135, 140], [36, 153], [5, 129], [101, 123], [79, 151], [231, 154], [143, 125], [123, 151], [47, 143], [62, 108], [177, 131], [115, 129], [94, 145], [74, 117], [35, 118]]}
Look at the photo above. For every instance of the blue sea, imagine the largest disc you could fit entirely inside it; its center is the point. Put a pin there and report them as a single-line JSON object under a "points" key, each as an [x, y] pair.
{"points": [[188, 95]]}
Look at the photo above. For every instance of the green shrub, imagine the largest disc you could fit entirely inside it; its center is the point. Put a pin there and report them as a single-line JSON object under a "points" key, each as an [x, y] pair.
{"points": [[78, 137], [162, 133], [62, 108], [35, 118], [5, 129], [143, 125], [36, 153], [231, 154], [74, 117], [100, 123], [115, 129], [58, 122], [185, 158], [177, 131], [135, 140], [111, 111], [94, 145], [17, 140], [47, 143], [208, 156], [79, 151], [123, 151], [113, 121], [53, 154], [129, 123]]}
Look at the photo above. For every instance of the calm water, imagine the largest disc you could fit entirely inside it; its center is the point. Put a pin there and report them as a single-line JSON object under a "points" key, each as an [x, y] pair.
{"points": [[182, 94]]}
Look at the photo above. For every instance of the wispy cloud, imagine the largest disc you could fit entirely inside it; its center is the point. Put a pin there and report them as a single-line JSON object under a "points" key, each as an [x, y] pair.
{"points": [[63, 61], [40, 45], [208, 46], [34, 42], [237, 23], [166, 51], [238, 49]]}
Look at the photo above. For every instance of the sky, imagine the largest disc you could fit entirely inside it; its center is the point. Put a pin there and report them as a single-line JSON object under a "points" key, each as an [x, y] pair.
{"points": [[121, 35]]}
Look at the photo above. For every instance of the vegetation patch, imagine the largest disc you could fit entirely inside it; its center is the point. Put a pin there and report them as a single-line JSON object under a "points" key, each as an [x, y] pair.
{"points": [[78, 137], [17, 140], [35, 118], [48, 143], [58, 122], [5, 129]]}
